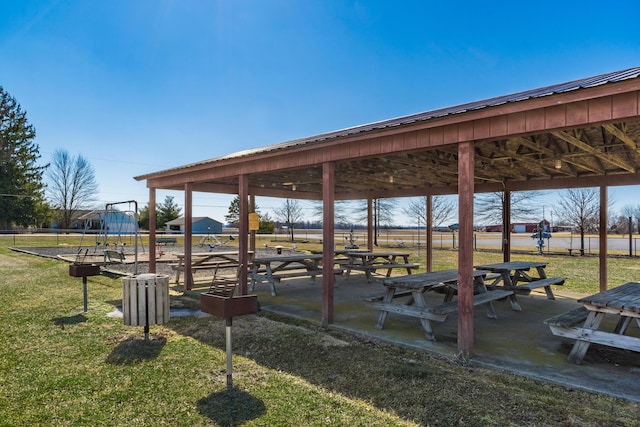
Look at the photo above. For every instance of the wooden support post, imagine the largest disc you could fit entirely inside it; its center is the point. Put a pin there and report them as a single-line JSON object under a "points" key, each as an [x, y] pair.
{"points": [[252, 233], [465, 252], [506, 225], [243, 231], [188, 232], [429, 233], [152, 230], [328, 245], [369, 224], [604, 250]]}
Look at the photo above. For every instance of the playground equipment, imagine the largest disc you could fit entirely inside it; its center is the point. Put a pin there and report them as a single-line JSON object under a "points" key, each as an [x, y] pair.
{"points": [[213, 238], [118, 225], [351, 241]]}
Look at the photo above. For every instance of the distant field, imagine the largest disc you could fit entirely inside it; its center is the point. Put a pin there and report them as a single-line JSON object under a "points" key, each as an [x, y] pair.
{"points": [[388, 238]]}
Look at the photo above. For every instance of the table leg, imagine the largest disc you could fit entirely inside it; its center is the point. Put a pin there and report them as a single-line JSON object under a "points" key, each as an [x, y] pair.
{"points": [[178, 274], [388, 297], [254, 277], [623, 325], [479, 284], [271, 280], [580, 347], [418, 297], [508, 284]]}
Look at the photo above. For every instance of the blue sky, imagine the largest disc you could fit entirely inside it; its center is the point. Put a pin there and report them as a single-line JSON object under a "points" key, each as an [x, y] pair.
{"points": [[140, 86]]}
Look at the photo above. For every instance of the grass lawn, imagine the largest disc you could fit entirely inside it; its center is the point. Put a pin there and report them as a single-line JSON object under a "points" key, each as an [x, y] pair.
{"points": [[59, 366]]}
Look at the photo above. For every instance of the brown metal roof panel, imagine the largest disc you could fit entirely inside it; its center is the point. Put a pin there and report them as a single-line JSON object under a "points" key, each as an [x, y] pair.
{"points": [[432, 114]]}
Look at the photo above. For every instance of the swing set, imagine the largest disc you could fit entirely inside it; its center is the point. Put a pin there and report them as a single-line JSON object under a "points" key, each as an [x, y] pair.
{"points": [[116, 225], [205, 240]]}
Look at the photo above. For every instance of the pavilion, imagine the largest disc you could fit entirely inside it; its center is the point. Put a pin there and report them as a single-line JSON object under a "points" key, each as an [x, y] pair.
{"points": [[583, 133]]}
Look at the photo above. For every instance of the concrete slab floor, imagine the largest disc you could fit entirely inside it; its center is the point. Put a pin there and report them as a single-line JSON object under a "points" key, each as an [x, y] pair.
{"points": [[517, 342]]}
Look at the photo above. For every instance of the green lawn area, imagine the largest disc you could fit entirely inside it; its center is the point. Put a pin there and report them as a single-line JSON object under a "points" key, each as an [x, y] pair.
{"points": [[60, 366]]}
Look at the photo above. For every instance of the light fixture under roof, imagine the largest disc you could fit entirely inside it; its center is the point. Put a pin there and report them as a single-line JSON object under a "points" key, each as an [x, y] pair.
{"points": [[558, 164]]}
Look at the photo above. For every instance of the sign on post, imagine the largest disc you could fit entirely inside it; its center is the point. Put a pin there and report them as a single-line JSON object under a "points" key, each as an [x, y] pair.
{"points": [[254, 222]]}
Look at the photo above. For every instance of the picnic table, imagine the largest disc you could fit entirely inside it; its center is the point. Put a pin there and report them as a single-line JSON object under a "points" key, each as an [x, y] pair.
{"points": [[416, 285], [274, 268], [369, 262], [514, 276], [583, 324], [206, 261]]}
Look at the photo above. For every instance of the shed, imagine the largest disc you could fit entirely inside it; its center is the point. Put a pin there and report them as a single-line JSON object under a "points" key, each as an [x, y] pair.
{"points": [[199, 225]]}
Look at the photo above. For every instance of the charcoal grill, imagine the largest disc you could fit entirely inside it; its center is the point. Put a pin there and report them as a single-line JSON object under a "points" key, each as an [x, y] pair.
{"points": [[80, 269]]}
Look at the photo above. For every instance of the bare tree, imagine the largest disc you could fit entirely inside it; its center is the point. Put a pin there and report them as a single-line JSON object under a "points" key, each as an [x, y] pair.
{"points": [[633, 212], [71, 185], [580, 207], [341, 218], [442, 209], [290, 213], [383, 215], [489, 207]]}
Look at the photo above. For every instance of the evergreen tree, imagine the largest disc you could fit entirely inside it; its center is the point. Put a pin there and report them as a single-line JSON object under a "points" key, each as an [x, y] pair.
{"points": [[143, 218], [21, 188], [167, 211], [233, 214]]}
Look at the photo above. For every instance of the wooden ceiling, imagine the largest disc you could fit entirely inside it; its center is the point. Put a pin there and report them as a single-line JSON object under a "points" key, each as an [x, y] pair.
{"points": [[610, 149]]}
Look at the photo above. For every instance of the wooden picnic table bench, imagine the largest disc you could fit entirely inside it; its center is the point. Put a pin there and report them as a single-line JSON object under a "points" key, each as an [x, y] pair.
{"points": [[271, 270], [206, 261], [370, 262], [417, 284], [165, 240], [514, 277], [583, 324]]}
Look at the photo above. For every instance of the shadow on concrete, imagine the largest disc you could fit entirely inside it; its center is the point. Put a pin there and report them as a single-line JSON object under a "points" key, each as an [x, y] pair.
{"points": [[517, 342]]}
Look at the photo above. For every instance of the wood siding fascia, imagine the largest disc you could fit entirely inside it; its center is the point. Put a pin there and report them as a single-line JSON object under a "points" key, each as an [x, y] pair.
{"points": [[408, 138]]}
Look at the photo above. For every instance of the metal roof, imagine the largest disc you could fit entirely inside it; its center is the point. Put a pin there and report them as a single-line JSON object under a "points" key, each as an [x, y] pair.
{"points": [[588, 82]]}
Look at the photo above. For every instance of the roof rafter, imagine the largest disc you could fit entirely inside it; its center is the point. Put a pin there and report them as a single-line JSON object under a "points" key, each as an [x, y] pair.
{"points": [[601, 155]]}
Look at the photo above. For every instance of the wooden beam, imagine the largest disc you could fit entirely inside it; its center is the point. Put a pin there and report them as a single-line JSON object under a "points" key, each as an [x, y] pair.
{"points": [[622, 136], [429, 233], [604, 203], [188, 231], [465, 252], [152, 230], [243, 231], [328, 244], [578, 143]]}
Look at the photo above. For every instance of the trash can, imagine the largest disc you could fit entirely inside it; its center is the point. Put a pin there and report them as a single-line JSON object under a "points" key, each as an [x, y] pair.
{"points": [[145, 300]]}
